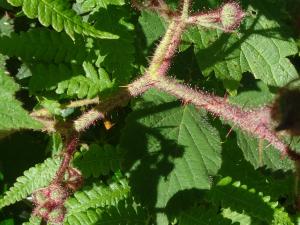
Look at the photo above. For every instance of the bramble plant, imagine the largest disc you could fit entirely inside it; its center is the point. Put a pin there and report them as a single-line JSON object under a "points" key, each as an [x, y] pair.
{"points": [[202, 132]]}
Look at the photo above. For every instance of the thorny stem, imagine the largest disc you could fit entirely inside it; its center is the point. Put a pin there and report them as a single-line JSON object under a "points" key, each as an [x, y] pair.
{"points": [[185, 9], [166, 50], [120, 98], [73, 104], [256, 122], [71, 145]]}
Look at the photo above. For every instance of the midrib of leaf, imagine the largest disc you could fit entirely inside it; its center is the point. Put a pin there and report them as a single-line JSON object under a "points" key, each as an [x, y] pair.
{"points": [[105, 196], [68, 18], [184, 130], [178, 138]]}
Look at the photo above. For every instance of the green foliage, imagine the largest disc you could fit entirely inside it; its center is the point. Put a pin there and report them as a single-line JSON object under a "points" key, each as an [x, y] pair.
{"points": [[33, 221], [269, 157], [34, 178], [116, 56], [6, 26], [94, 5], [202, 216], [97, 196], [259, 47], [12, 115], [123, 214], [245, 200], [51, 46], [89, 86], [169, 148], [260, 95], [153, 26], [59, 15], [98, 160], [155, 160]]}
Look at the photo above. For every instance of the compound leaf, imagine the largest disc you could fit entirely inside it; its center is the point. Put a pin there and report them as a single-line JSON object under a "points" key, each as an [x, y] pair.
{"points": [[98, 160], [34, 178], [122, 214], [99, 195], [49, 46], [59, 15]]}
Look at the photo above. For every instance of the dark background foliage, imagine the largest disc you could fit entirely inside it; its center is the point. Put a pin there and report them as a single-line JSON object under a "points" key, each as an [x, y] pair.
{"points": [[162, 161]]}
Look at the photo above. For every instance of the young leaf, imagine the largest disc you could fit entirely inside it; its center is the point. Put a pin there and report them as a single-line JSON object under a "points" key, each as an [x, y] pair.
{"points": [[12, 115], [58, 14], [34, 178], [169, 147]]}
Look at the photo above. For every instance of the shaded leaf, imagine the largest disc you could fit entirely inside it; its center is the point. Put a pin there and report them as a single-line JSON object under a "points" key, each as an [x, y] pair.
{"points": [[12, 115], [98, 160], [169, 148]]}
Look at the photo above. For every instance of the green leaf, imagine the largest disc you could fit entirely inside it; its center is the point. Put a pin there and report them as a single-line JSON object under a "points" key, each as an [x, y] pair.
{"points": [[12, 115], [116, 56], [236, 217], [235, 166], [98, 160], [202, 216], [152, 25], [123, 214], [48, 76], [34, 178], [93, 5], [69, 79], [271, 157], [6, 26], [93, 83], [3, 59], [49, 46], [98, 195], [33, 221], [58, 14], [243, 200], [90, 216], [260, 48], [169, 148], [256, 94]]}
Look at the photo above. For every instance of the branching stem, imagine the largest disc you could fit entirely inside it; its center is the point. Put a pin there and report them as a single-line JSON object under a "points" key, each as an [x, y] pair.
{"points": [[256, 122]]}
